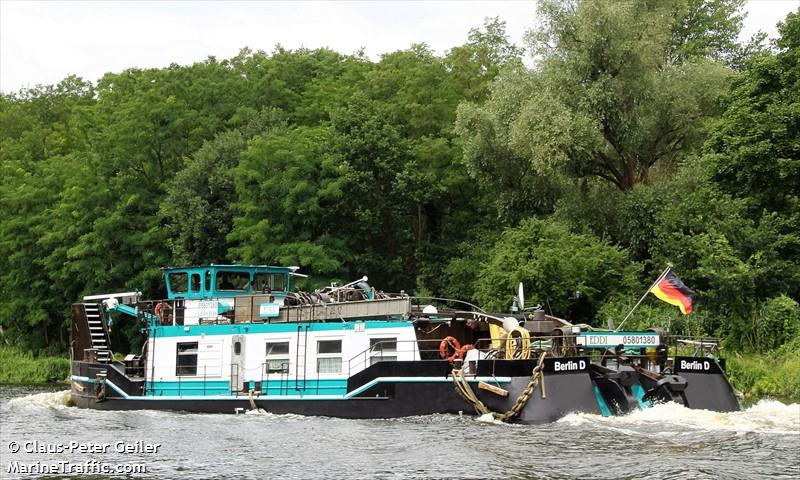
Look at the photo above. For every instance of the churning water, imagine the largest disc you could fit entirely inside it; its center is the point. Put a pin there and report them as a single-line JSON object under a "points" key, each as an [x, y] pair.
{"points": [[667, 441]]}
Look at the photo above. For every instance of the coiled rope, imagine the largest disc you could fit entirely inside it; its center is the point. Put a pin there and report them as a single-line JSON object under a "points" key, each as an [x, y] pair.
{"points": [[466, 392], [518, 347]]}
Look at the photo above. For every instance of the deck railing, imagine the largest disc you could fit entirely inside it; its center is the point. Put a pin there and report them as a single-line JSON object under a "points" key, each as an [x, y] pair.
{"points": [[246, 309], [277, 381]]}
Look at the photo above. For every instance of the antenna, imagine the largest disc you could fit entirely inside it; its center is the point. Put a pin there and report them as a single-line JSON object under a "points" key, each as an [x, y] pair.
{"points": [[521, 297]]}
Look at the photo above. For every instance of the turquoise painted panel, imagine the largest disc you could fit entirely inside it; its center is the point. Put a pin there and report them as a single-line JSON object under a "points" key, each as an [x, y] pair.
{"points": [[638, 390], [309, 387], [270, 387], [601, 402], [245, 328], [188, 388]]}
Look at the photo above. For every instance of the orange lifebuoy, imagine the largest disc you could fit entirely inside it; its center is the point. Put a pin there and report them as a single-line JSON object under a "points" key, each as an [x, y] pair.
{"points": [[159, 311], [450, 342]]}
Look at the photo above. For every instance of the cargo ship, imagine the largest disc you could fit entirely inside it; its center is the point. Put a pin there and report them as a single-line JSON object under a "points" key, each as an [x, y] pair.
{"points": [[233, 338]]}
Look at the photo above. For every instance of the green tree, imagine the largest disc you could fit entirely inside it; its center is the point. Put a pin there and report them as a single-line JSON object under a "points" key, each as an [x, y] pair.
{"points": [[604, 100], [570, 275], [496, 159], [373, 153], [199, 208], [706, 29], [42, 135], [289, 186], [474, 65], [754, 149]]}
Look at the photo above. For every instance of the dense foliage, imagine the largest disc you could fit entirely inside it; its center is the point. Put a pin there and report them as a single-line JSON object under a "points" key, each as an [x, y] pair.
{"points": [[642, 135]]}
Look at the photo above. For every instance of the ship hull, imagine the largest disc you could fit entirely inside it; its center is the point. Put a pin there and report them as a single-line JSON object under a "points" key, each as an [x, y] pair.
{"points": [[388, 390], [402, 389]]}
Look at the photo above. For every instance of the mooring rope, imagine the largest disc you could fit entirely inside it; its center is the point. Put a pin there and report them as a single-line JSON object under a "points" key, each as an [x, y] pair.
{"points": [[466, 392], [252, 402]]}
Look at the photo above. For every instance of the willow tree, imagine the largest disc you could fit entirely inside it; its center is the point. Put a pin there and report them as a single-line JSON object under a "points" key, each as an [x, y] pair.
{"points": [[617, 88]]}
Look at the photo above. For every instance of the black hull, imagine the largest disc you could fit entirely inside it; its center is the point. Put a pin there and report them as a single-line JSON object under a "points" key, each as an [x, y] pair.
{"points": [[419, 393], [425, 389], [409, 399]]}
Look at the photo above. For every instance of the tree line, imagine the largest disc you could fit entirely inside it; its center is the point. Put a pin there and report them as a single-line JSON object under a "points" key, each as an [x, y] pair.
{"points": [[637, 134]]}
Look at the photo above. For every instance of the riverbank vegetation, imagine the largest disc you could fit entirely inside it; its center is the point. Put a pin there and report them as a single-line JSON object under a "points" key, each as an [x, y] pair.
{"points": [[775, 374], [638, 135], [21, 366]]}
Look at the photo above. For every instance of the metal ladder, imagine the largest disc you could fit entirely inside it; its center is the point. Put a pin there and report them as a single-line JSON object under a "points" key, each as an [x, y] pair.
{"points": [[100, 340], [300, 361]]}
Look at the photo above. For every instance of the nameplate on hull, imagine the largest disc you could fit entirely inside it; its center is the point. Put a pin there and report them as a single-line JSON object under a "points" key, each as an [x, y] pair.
{"points": [[612, 339], [207, 309], [269, 310], [566, 365], [697, 365]]}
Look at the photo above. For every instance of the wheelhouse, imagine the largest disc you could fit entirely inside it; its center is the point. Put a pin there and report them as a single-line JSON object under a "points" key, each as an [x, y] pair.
{"points": [[218, 281]]}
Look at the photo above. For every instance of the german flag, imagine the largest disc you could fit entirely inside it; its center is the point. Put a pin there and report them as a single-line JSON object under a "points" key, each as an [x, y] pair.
{"points": [[672, 290]]}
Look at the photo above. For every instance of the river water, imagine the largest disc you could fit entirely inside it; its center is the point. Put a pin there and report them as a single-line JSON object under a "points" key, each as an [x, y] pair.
{"points": [[667, 441]]}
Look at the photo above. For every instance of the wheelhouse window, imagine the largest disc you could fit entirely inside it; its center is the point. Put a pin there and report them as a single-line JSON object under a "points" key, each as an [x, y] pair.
{"points": [[186, 361], [195, 282], [382, 350], [278, 282], [278, 357], [329, 356], [233, 281], [178, 282], [269, 282]]}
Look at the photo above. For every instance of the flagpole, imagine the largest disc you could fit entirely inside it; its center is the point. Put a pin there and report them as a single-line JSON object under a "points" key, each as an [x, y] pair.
{"points": [[663, 274]]}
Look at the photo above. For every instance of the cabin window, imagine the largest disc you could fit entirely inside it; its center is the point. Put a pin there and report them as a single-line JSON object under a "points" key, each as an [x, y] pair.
{"points": [[329, 356], [278, 356], [178, 282], [262, 283], [233, 281], [208, 280], [269, 282], [237, 348], [186, 361], [278, 282], [195, 282], [382, 350]]}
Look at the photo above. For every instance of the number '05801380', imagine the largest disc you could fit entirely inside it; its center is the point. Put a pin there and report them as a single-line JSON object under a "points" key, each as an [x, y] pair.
{"points": [[639, 340]]}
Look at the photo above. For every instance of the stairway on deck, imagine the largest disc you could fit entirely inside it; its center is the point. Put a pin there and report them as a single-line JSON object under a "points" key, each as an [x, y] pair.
{"points": [[100, 342]]}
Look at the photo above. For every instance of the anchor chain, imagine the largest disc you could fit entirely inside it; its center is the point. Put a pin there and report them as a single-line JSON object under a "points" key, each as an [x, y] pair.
{"points": [[466, 392]]}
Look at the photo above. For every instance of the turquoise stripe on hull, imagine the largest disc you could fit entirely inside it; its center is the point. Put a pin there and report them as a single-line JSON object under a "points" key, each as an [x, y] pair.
{"points": [[308, 394], [309, 387], [271, 387], [188, 388], [245, 328]]}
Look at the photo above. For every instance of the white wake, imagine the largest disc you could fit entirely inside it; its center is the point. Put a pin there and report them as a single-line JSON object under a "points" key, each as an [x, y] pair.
{"points": [[766, 416], [42, 400]]}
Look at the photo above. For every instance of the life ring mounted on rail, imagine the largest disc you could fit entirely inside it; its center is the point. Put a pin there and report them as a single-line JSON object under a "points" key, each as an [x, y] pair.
{"points": [[447, 345], [161, 311]]}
